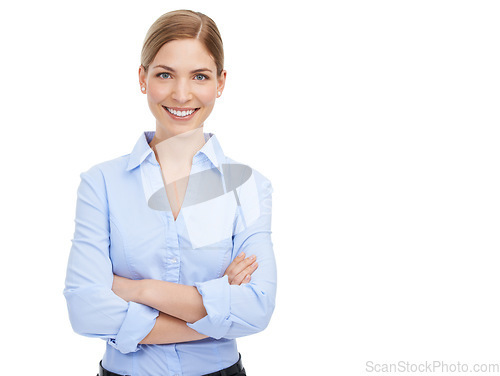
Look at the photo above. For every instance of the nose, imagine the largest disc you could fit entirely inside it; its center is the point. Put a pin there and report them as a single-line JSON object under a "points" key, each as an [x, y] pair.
{"points": [[182, 91]]}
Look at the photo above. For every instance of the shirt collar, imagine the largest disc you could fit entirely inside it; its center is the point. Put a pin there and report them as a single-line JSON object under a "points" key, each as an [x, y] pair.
{"points": [[212, 150], [141, 150]]}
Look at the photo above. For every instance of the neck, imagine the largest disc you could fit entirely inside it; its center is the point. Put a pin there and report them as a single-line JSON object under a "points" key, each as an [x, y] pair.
{"points": [[176, 153]]}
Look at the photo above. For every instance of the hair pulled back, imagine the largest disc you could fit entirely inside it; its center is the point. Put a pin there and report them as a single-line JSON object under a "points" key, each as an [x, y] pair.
{"points": [[183, 24]]}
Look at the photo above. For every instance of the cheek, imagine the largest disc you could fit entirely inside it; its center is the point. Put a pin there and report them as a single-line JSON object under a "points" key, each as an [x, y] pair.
{"points": [[207, 96], [157, 93]]}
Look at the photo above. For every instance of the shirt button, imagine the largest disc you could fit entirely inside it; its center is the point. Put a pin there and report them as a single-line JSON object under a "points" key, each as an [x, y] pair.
{"points": [[173, 260]]}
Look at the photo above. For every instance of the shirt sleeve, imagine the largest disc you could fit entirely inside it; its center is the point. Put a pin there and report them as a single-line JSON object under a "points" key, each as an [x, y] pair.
{"points": [[237, 311], [94, 309]]}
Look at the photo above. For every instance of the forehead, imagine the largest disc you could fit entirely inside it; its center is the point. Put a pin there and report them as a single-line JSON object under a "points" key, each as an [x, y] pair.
{"points": [[185, 54]]}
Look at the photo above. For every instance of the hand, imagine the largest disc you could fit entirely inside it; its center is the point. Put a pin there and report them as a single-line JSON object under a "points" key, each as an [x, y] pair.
{"points": [[125, 288], [240, 270]]}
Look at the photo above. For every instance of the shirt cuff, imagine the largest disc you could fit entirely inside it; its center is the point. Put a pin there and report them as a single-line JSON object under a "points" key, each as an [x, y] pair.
{"points": [[216, 299], [138, 322]]}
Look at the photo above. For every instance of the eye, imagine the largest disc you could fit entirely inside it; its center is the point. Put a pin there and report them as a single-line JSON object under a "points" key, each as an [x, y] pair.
{"points": [[162, 73], [200, 77]]}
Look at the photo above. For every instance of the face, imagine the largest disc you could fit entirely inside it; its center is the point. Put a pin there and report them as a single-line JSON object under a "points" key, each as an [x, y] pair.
{"points": [[181, 86]]}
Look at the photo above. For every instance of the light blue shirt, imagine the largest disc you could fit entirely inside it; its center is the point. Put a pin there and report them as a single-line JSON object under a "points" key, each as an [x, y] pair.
{"points": [[124, 226]]}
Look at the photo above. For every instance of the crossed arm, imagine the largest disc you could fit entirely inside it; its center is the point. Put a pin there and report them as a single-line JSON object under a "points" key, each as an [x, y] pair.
{"points": [[178, 304], [103, 306]]}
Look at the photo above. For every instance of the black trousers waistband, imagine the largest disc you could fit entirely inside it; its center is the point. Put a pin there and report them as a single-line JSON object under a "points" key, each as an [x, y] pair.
{"points": [[235, 370]]}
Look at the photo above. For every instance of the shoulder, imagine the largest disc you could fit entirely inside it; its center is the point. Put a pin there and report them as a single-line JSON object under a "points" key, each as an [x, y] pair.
{"points": [[253, 193], [106, 171], [109, 167], [103, 180], [246, 176]]}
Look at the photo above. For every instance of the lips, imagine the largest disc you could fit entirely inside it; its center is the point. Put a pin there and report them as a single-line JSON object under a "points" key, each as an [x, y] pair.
{"points": [[180, 113]]}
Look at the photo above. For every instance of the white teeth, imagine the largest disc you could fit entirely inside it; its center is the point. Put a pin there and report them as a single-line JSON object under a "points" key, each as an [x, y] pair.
{"points": [[180, 113]]}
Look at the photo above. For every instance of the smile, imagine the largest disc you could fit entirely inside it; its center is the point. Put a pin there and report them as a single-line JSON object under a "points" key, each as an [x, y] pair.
{"points": [[181, 113]]}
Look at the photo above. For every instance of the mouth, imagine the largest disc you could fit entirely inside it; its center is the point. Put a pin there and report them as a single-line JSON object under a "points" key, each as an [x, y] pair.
{"points": [[180, 113]]}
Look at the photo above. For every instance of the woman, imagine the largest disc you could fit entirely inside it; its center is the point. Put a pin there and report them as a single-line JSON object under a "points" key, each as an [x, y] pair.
{"points": [[158, 264]]}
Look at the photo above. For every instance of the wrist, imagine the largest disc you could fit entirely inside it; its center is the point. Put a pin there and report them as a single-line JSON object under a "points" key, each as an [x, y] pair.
{"points": [[141, 290]]}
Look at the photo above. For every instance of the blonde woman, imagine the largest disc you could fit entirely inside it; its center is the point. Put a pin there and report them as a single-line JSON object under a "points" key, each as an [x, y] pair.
{"points": [[172, 258]]}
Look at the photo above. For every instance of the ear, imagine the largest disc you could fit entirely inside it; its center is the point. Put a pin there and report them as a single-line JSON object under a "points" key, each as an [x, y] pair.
{"points": [[221, 81], [142, 75]]}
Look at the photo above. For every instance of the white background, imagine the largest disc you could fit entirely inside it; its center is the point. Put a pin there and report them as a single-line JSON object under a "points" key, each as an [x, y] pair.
{"points": [[376, 121]]}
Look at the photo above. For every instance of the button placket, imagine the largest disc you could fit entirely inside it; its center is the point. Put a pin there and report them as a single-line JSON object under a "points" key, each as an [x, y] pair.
{"points": [[172, 268]]}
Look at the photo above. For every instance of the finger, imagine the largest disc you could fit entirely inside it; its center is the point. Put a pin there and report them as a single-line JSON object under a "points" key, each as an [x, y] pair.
{"points": [[247, 272], [236, 261], [238, 280], [245, 280], [238, 268], [251, 268]]}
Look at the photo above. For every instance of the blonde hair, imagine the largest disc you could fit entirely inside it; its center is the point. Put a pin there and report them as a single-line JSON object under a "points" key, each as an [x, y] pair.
{"points": [[183, 24]]}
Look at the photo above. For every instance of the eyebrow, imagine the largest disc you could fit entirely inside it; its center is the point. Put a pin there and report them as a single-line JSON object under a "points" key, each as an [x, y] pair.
{"points": [[173, 70]]}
